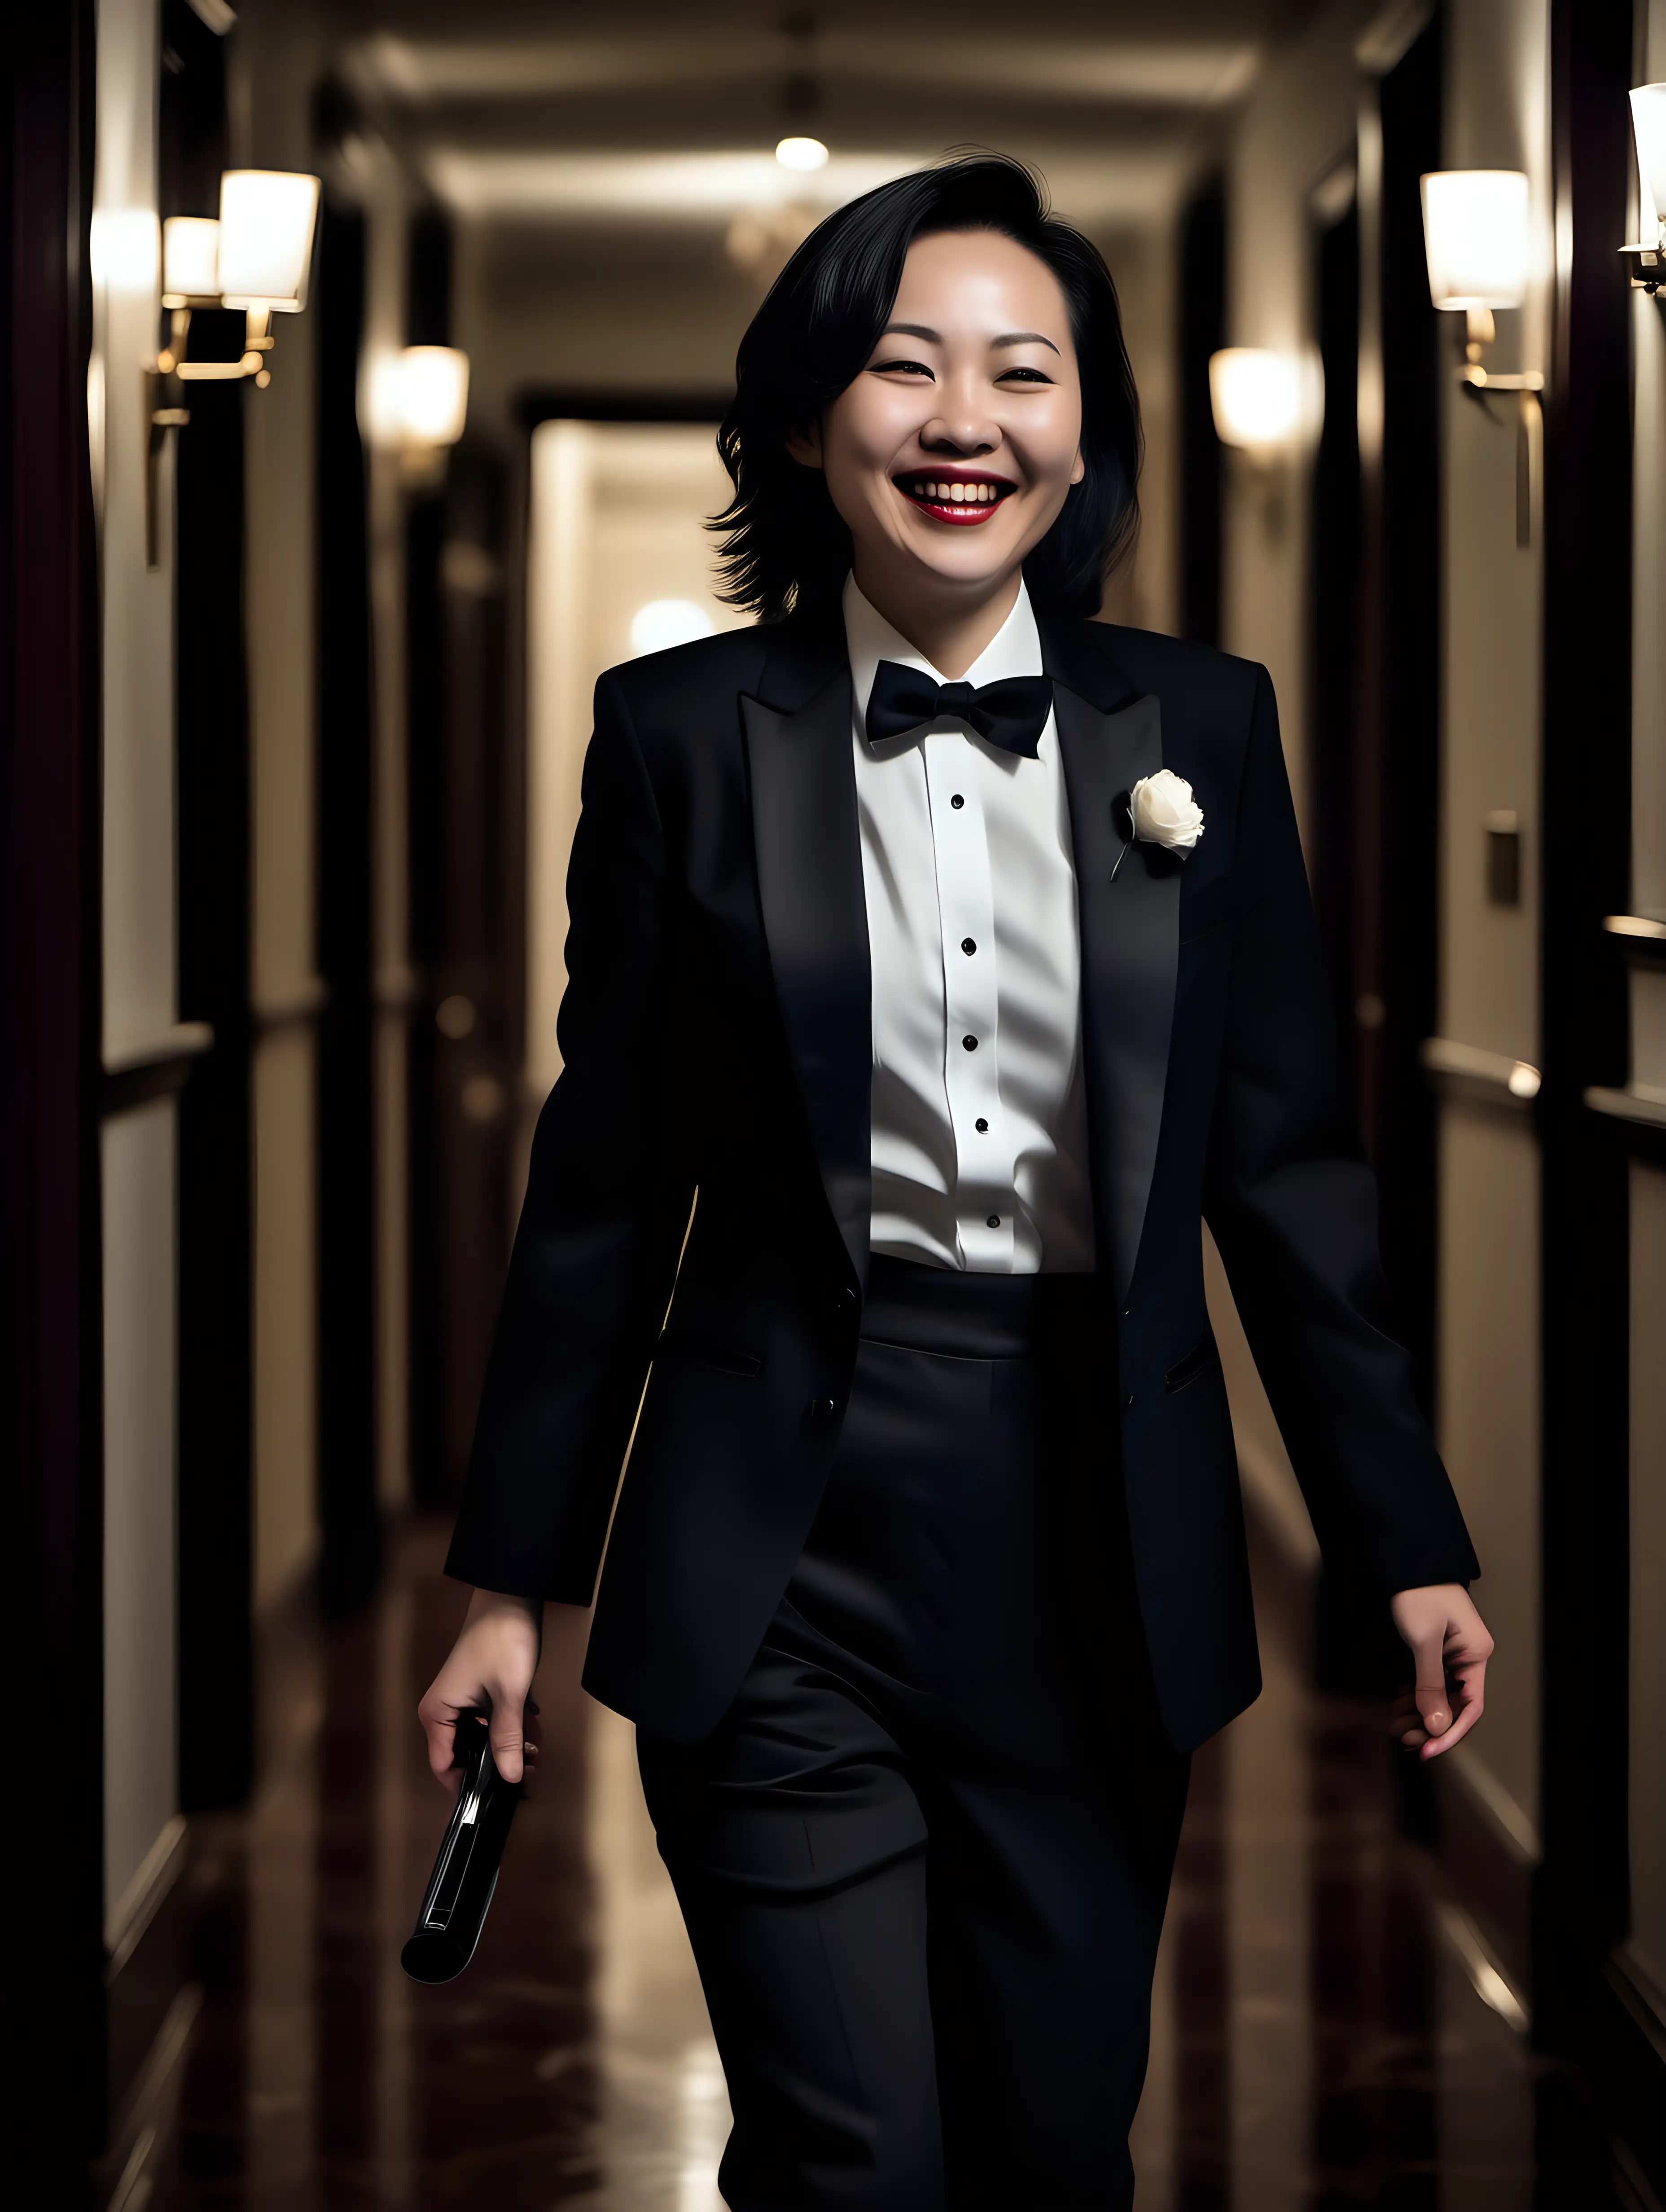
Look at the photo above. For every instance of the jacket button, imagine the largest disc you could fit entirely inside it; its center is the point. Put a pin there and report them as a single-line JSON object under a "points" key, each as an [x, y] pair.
{"points": [[822, 1410]]}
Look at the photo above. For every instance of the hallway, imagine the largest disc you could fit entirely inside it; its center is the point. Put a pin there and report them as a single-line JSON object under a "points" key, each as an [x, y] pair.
{"points": [[1320, 2040], [366, 400]]}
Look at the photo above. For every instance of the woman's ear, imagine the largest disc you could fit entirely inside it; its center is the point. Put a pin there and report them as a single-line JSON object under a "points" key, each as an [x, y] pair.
{"points": [[806, 446], [1080, 468]]}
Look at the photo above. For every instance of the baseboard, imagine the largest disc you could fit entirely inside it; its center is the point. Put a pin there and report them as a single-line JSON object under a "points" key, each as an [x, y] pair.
{"points": [[143, 2133], [1487, 1862]]}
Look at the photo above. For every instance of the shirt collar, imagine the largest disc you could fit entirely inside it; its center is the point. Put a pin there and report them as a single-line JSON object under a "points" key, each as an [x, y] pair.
{"points": [[1014, 650]]}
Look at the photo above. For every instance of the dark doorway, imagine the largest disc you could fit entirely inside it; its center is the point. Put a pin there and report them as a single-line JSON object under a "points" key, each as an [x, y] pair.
{"points": [[1341, 837], [217, 1733], [50, 1093], [466, 917], [1202, 331], [466, 923], [350, 1523], [1401, 768]]}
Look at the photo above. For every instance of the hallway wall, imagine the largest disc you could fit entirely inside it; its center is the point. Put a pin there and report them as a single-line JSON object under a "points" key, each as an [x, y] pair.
{"points": [[140, 1749], [1648, 1078]]}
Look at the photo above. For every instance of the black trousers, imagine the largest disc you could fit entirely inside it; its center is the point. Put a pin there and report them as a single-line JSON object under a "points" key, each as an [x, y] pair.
{"points": [[923, 1858]]}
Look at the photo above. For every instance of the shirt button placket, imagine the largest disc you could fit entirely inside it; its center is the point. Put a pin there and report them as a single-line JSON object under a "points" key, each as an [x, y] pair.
{"points": [[972, 1028]]}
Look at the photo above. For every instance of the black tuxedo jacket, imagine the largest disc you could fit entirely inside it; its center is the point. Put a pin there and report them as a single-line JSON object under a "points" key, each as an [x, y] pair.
{"points": [[715, 1038]]}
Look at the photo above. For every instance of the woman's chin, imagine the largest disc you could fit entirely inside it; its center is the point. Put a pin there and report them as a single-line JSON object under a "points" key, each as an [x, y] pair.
{"points": [[963, 563]]}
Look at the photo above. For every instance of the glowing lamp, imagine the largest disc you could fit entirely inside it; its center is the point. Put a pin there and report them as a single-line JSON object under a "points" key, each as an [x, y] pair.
{"points": [[1647, 258], [801, 154], [191, 261], [1474, 233], [266, 244], [430, 396], [1257, 397], [1649, 130]]}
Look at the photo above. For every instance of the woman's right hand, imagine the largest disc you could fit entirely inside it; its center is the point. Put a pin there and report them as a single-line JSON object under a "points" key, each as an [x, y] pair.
{"points": [[491, 1664]]}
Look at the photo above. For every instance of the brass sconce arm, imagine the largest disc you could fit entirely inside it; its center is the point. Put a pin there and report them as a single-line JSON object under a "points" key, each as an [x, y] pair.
{"points": [[1478, 382], [174, 360]]}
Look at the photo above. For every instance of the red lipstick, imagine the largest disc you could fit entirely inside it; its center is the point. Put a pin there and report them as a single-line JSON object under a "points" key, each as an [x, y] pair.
{"points": [[960, 497]]}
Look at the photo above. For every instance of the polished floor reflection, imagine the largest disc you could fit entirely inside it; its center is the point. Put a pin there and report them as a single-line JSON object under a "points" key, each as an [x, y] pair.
{"points": [[1321, 2040]]}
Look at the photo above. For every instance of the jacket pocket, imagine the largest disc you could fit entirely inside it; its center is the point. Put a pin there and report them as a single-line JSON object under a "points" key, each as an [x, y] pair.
{"points": [[1198, 1361]]}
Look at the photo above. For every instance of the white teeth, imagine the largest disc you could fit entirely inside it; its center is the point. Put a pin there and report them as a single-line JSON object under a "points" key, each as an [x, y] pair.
{"points": [[955, 494]]}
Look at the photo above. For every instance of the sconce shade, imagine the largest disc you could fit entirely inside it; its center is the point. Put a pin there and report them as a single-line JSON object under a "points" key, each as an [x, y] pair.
{"points": [[1649, 128], [1257, 397], [191, 259], [801, 154], [431, 396], [1474, 232], [266, 219]]}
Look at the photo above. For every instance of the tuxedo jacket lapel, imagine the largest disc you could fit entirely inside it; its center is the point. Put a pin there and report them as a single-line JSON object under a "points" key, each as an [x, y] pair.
{"points": [[808, 845], [1130, 932]]}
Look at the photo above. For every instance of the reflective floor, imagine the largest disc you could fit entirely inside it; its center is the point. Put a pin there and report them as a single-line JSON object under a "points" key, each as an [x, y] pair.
{"points": [[1319, 2038]]}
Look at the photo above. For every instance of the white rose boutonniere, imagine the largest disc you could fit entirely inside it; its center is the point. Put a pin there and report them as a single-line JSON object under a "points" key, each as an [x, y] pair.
{"points": [[1163, 812]]}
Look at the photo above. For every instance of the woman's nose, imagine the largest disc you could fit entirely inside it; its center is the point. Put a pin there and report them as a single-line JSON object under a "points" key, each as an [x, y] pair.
{"points": [[962, 430]]}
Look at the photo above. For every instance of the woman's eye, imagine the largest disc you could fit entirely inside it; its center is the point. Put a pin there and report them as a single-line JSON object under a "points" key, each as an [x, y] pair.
{"points": [[1027, 375], [891, 367]]}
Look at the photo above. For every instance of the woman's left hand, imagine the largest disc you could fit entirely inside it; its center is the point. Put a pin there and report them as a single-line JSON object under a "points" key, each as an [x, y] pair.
{"points": [[1451, 1647]]}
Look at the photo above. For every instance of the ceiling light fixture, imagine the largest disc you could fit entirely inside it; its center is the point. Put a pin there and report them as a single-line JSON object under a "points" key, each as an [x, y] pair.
{"points": [[802, 154]]}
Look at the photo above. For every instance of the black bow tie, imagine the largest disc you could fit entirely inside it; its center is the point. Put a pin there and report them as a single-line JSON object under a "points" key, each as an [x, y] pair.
{"points": [[1012, 713]]}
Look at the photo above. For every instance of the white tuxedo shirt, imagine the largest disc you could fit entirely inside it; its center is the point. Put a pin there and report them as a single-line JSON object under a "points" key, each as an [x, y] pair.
{"points": [[980, 1148]]}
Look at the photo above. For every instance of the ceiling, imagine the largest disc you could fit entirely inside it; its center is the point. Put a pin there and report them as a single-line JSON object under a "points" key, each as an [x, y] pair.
{"points": [[644, 115]]}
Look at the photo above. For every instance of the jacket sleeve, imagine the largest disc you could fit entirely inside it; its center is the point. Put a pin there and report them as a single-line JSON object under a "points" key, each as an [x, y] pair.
{"points": [[602, 1224], [1293, 1205]]}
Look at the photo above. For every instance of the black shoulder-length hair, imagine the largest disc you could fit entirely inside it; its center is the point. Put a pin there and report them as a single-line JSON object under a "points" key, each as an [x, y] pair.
{"points": [[785, 547]]}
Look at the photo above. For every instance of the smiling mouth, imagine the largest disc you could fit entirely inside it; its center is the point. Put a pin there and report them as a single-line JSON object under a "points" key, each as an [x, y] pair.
{"points": [[955, 498]]}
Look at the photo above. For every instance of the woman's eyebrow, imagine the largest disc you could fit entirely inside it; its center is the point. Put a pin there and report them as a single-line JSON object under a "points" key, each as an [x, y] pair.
{"points": [[935, 337]]}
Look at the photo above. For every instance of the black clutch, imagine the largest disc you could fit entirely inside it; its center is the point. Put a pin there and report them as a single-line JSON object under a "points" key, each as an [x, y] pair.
{"points": [[466, 1873]]}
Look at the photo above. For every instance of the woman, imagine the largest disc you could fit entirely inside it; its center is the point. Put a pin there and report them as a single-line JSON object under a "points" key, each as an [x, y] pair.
{"points": [[957, 952]]}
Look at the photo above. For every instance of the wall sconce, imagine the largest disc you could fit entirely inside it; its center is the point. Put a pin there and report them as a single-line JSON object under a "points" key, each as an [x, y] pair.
{"points": [[1263, 402], [419, 404], [256, 256], [1255, 397], [1647, 256], [1475, 237]]}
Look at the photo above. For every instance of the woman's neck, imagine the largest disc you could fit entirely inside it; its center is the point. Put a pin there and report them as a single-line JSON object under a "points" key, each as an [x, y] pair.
{"points": [[950, 630]]}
